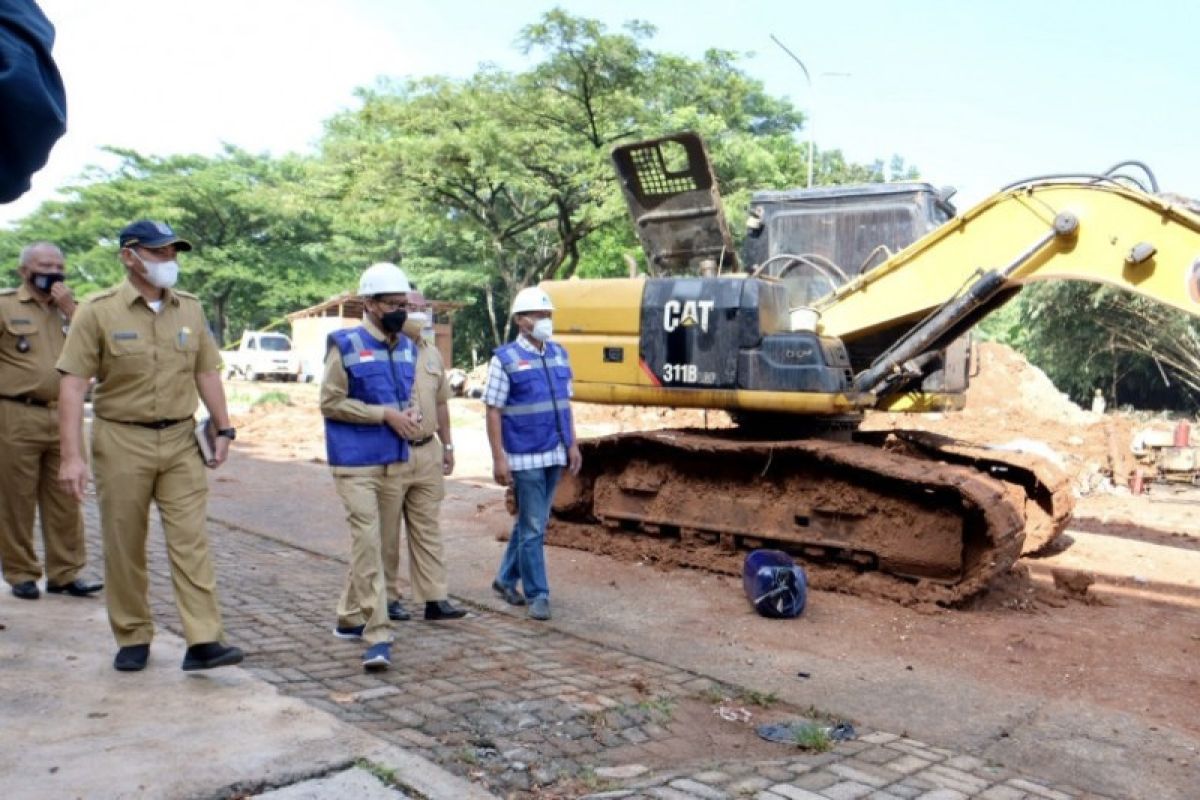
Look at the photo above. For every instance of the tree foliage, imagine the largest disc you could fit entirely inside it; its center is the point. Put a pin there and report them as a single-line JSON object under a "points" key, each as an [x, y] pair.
{"points": [[482, 186], [258, 239], [1087, 338]]}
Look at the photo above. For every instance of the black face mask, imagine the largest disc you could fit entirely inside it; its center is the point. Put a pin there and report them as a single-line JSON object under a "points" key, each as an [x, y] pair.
{"points": [[43, 282], [393, 321]]}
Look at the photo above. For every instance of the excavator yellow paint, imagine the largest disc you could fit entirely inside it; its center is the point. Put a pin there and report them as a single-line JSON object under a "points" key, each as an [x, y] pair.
{"points": [[1115, 224]]}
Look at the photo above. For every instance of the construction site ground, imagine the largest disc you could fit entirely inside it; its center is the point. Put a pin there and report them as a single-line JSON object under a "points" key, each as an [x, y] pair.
{"points": [[648, 683]]}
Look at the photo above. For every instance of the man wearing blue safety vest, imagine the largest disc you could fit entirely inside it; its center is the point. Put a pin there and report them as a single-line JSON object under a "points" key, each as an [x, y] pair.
{"points": [[366, 401], [532, 435]]}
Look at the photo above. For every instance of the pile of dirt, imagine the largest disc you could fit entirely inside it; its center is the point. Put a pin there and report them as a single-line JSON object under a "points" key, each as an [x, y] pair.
{"points": [[1012, 404], [1006, 383], [282, 431]]}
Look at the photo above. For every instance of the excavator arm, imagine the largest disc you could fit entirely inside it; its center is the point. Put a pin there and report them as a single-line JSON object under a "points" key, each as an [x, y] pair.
{"points": [[1096, 232]]}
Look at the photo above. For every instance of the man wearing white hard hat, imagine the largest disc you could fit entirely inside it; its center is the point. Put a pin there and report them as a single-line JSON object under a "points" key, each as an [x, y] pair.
{"points": [[532, 435], [366, 401]]}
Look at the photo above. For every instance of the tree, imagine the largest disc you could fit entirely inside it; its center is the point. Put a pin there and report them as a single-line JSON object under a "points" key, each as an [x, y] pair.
{"points": [[1087, 337], [257, 235], [515, 168]]}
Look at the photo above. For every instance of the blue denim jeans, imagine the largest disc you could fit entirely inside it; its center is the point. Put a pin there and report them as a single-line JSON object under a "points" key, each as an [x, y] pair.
{"points": [[524, 557]]}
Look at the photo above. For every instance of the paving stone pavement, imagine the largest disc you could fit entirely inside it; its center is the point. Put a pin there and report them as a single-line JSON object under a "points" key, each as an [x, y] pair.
{"points": [[532, 712]]}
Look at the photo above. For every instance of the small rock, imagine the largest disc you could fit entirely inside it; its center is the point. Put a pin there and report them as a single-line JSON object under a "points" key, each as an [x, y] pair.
{"points": [[622, 772]]}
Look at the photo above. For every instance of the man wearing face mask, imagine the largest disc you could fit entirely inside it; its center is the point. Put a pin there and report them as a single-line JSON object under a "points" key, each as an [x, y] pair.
{"points": [[532, 435], [369, 420], [149, 347], [33, 326], [423, 477]]}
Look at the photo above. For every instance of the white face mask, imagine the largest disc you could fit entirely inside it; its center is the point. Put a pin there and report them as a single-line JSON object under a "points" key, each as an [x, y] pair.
{"points": [[543, 329], [162, 274]]}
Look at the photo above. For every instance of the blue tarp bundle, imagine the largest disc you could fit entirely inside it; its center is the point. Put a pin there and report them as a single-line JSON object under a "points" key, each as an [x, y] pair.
{"points": [[774, 584]]}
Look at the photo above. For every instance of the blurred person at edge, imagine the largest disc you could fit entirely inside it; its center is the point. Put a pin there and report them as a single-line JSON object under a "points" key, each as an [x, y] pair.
{"points": [[532, 435], [149, 347], [430, 460], [369, 420], [33, 104]]}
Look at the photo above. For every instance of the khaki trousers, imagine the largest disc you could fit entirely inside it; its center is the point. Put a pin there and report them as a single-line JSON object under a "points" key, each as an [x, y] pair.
{"points": [[29, 458], [373, 504], [134, 465], [423, 488]]}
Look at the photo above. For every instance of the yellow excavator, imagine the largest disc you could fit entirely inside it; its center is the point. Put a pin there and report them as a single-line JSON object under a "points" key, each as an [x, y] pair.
{"points": [[845, 299]]}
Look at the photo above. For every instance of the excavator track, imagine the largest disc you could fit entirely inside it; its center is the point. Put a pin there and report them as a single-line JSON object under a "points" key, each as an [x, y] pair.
{"points": [[864, 518], [1046, 489]]}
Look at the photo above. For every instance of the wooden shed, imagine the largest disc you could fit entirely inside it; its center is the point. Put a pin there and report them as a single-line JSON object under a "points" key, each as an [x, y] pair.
{"points": [[311, 328]]}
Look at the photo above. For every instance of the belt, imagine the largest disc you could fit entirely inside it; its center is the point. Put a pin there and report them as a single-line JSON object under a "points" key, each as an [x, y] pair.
{"points": [[156, 425], [421, 442], [25, 399]]}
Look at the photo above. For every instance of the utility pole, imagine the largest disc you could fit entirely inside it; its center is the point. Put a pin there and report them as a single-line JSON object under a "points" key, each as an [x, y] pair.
{"points": [[807, 77]]}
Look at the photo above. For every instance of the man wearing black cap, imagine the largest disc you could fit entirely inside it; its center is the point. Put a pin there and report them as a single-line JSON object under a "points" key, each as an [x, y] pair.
{"points": [[150, 349]]}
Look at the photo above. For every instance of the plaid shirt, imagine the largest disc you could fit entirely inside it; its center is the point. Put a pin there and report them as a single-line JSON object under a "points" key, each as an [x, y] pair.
{"points": [[495, 394]]}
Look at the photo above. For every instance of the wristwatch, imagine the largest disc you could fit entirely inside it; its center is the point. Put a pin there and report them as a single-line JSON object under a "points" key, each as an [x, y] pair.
{"points": [[228, 433], [449, 448]]}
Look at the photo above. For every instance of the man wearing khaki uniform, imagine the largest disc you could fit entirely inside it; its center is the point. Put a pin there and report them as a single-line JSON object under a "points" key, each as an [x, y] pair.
{"points": [[422, 477], [33, 326], [366, 402], [150, 348]]}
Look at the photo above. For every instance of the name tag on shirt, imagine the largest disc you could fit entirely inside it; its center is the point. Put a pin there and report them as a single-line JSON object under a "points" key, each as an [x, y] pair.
{"points": [[119, 335]]}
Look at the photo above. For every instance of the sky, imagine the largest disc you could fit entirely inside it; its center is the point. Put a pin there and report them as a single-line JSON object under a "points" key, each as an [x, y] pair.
{"points": [[974, 94]]}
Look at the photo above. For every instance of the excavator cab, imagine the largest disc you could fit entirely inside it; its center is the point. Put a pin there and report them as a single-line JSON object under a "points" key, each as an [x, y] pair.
{"points": [[711, 321]]}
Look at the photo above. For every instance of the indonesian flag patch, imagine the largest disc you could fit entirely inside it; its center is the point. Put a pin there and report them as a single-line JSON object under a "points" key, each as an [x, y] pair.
{"points": [[366, 355], [523, 364]]}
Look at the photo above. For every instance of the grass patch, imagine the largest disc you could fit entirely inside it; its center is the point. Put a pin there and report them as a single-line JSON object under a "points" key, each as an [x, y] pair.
{"points": [[714, 694], [812, 737], [756, 698], [385, 775], [662, 706], [272, 398]]}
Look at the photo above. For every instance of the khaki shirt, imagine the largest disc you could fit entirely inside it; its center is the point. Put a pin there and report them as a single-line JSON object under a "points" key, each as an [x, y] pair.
{"points": [[43, 329], [430, 386], [146, 362]]}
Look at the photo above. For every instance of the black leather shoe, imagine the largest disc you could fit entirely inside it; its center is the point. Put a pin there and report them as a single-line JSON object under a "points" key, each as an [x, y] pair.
{"points": [[75, 588], [397, 612], [208, 655], [441, 609], [509, 593], [26, 590], [132, 658]]}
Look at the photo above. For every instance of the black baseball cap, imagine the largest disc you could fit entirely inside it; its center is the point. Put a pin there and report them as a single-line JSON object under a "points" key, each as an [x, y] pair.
{"points": [[149, 233]]}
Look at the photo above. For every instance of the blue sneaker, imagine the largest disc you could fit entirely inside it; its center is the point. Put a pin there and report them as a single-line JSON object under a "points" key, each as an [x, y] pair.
{"points": [[378, 657], [539, 608], [349, 631]]}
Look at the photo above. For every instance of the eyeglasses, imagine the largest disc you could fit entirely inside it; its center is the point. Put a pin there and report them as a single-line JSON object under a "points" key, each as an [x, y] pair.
{"points": [[393, 305]]}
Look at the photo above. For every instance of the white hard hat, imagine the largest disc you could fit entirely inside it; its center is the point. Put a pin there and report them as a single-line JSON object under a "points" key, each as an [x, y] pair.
{"points": [[383, 278], [531, 299]]}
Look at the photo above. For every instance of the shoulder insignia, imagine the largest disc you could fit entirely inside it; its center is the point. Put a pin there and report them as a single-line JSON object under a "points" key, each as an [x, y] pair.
{"points": [[10, 290], [101, 295], [188, 295]]}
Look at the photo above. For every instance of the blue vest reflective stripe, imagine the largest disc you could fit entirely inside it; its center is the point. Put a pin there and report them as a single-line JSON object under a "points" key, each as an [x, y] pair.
{"points": [[537, 416], [380, 378]]}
